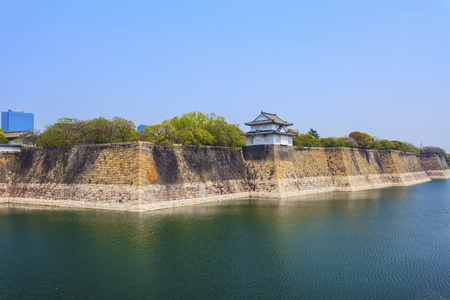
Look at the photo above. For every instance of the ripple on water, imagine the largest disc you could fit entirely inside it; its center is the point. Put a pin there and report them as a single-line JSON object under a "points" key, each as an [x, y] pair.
{"points": [[389, 243]]}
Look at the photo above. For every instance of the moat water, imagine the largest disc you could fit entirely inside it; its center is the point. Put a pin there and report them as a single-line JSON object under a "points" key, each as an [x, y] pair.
{"points": [[390, 243]]}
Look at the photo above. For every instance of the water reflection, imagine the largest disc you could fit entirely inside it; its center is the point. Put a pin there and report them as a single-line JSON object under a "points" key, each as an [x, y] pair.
{"points": [[369, 244], [301, 207]]}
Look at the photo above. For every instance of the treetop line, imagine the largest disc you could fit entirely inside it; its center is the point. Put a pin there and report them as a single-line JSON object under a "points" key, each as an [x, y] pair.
{"points": [[196, 128]]}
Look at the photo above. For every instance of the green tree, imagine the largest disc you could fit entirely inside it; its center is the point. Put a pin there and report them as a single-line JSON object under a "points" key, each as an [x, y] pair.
{"points": [[400, 146], [413, 149], [384, 145], [433, 150], [203, 137], [85, 132], [362, 139], [124, 130], [331, 142], [305, 140], [69, 131], [186, 137], [190, 120], [195, 136], [3, 139], [206, 129], [32, 138], [163, 134], [314, 133], [102, 130], [295, 139], [59, 134], [226, 135]]}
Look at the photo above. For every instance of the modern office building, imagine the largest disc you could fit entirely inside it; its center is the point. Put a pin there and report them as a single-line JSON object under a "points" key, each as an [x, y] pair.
{"points": [[17, 121]]}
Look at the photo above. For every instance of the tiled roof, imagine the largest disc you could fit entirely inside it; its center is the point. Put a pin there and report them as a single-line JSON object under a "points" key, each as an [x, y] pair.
{"points": [[266, 132], [273, 118], [15, 134], [276, 119]]}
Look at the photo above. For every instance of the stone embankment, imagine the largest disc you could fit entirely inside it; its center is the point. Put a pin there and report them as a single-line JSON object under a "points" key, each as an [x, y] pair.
{"points": [[279, 172], [143, 176], [435, 166], [136, 176]]}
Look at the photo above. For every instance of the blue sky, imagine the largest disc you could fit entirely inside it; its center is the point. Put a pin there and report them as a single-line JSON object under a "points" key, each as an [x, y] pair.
{"points": [[381, 66]]}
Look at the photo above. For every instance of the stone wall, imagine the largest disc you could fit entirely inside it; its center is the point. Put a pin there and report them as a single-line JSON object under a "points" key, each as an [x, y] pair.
{"points": [[180, 175], [130, 176], [143, 176], [89, 176], [435, 166], [278, 171], [7, 160]]}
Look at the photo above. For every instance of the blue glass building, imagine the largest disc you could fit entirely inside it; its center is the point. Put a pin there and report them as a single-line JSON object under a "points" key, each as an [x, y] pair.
{"points": [[141, 128], [17, 121]]}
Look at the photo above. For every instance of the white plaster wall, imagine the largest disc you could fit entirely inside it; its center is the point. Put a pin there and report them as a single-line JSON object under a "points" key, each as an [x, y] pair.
{"points": [[284, 140], [276, 139], [264, 127], [268, 140], [258, 140]]}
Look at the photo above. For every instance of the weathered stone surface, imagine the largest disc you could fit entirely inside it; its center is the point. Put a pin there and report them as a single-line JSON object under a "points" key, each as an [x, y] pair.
{"points": [[143, 176], [131, 176], [435, 166], [279, 171]]}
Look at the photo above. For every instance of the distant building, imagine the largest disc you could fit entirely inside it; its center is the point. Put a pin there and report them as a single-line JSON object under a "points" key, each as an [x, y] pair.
{"points": [[268, 129], [141, 128], [65, 121], [14, 136], [9, 148], [17, 121]]}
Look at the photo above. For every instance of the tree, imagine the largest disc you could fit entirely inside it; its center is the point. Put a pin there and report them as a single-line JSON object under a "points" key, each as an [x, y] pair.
{"points": [[331, 142], [433, 150], [362, 139], [295, 139], [305, 140], [163, 134], [400, 146], [349, 142], [413, 149], [102, 130], [384, 145], [59, 134], [229, 136], [195, 136], [69, 131], [186, 137], [205, 129], [314, 133], [202, 137], [3, 139], [31, 138], [85, 132], [190, 120], [124, 130]]}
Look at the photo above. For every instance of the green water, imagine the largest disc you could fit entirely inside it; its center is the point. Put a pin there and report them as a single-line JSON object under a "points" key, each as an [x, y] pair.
{"points": [[391, 243]]}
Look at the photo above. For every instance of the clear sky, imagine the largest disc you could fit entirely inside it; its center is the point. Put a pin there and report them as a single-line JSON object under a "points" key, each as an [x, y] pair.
{"points": [[376, 66]]}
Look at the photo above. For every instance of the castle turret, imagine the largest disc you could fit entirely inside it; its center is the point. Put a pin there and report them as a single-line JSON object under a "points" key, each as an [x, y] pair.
{"points": [[268, 129]]}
